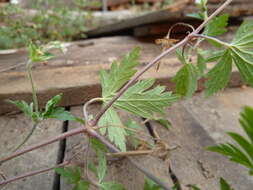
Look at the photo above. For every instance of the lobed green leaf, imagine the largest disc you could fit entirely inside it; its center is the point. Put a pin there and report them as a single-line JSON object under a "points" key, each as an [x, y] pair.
{"points": [[243, 152], [146, 103], [116, 133], [244, 30], [82, 185], [119, 73], [217, 26], [27, 109], [244, 143], [71, 174], [201, 62], [186, 80], [246, 121], [224, 185], [111, 186], [51, 111], [219, 76], [165, 123], [150, 185], [101, 167]]}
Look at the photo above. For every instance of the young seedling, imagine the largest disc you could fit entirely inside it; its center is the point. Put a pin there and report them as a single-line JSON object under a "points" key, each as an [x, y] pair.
{"points": [[32, 111]]}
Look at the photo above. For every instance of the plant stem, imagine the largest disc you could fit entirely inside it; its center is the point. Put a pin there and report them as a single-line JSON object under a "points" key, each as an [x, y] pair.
{"points": [[49, 141], [34, 95], [130, 153], [213, 39], [27, 137], [85, 112], [91, 132], [33, 173], [156, 60]]}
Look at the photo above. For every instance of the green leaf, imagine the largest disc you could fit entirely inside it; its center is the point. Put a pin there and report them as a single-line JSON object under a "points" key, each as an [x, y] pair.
{"points": [[243, 32], [202, 5], [241, 47], [98, 146], [61, 114], [233, 153], [138, 99], [186, 80], [224, 185], [244, 143], [244, 64], [51, 104], [51, 111], [116, 134], [196, 15], [146, 103], [71, 174], [164, 122], [26, 109], [194, 187], [150, 185], [201, 62], [41, 53], [101, 166], [82, 185], [215, 56], [36, 53], [92, 167], [243, 152], [217, 26], [119, 73], [131, 124], [180, 56], [23, 106], [246, 121], [111, 186], [219, 76]]}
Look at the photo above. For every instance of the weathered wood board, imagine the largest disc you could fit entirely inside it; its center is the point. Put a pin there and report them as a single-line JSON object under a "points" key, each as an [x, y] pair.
{"points": [[76, 74], [170, 15], [199, 123], [13, 130], [111, 22], [219, 113]]}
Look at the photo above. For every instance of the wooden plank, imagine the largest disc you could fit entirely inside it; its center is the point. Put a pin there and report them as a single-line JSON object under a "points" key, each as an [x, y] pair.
{"points": [[220, 113], [193, 129], [119, 170], [172, 14], [111, 3], [13, 130], [76, 74], [159, 29]]}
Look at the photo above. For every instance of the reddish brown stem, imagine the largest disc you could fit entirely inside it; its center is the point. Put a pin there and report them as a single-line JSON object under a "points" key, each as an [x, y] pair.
{"points": [[50, 141], [33, 173], [89, 131]]}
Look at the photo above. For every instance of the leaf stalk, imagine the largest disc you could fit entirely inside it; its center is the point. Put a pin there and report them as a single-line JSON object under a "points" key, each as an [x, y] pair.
{"points": [[34, 94]]}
